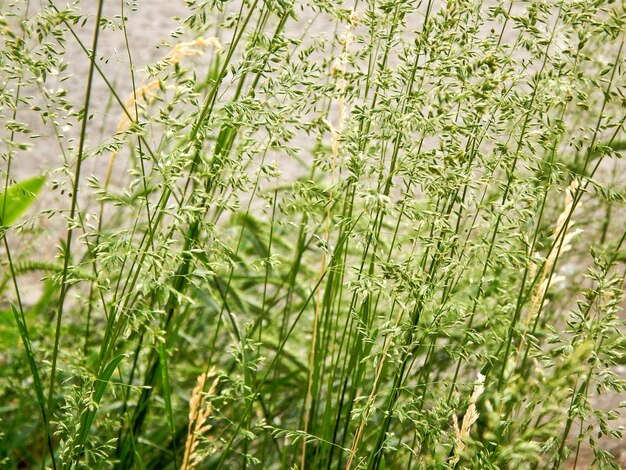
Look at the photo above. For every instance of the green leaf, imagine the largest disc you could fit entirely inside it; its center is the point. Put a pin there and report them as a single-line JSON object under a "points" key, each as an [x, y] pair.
{"points": [[167, 396], [101, 384], [618, 146], [18, 198], [32, 363], [9, 335]]}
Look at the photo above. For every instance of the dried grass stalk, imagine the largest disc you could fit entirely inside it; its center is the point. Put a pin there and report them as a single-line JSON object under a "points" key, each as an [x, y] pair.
{"points": [[146, 92], [339, 69], [199, 411], [471, 416], [562, 239]]}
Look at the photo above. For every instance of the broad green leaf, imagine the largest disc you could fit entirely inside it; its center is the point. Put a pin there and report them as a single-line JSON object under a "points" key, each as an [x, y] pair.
{"points": [[18, 198]]}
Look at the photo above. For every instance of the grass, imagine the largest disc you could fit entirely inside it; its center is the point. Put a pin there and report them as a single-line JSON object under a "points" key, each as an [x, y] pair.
{"points": [[310, 234]]}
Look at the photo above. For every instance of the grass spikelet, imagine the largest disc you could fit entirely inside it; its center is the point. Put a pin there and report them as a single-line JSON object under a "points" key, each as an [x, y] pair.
{"points": [[339, 69], [193, 48], [471, 416], [561, 231], [199, 411], [146, 93]]}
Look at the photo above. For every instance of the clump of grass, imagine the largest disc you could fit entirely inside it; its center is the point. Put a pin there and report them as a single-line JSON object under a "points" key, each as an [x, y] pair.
{"points": [[345, 211]]}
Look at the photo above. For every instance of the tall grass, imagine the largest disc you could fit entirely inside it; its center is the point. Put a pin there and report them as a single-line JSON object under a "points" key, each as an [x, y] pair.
{"points": [[382, 234]]}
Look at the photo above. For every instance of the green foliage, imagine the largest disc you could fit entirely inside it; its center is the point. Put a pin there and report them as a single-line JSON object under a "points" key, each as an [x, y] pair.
{"points": [[16, 200], [313, 234]]}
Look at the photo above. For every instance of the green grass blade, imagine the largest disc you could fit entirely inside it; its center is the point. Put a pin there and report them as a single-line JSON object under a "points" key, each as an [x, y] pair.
{"points": [[101, 383], [167, 396], [32, 364]]}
